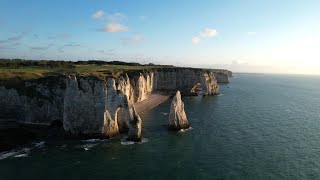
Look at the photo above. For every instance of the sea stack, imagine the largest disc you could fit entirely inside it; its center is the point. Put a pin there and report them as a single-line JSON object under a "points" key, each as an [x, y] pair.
{"points": [[135, 127], [177, 117]]}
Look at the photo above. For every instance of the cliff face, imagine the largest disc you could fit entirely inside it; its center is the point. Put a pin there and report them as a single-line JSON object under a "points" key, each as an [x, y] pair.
{"points": [[91, 105], [222, 75], [139, 87], [33, 102], [95, 106], [184, 80]]}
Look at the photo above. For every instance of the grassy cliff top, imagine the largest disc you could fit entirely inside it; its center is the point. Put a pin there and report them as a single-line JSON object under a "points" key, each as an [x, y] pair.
{"points": [[24, 70], [28, 69]]}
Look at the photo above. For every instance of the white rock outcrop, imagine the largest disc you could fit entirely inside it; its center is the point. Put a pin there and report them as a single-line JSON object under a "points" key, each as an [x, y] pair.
{"points": [[95, 106], [135, 127], [177, 116]]}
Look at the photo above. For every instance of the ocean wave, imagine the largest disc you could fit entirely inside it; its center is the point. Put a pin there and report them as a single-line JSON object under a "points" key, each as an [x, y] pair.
{"points": [[6, 155], [87, 147], [89, 143], [143, 140], [184, 130], [126, 143], [165, 114], [15, 153], [21, 155], [63, 146], [95, 140], [40, 144]]}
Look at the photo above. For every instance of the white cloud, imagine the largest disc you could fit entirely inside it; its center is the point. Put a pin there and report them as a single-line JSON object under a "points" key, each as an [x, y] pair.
{"points": [[116, 17], [195, 40], [137, 38], [251, 33], [98, 15], [113, 21], [142, 18], [133, 40], [114, 27], [207, 32]]}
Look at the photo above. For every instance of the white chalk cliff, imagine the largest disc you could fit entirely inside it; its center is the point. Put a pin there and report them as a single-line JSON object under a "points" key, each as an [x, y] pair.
{"points": [[95, 105], [177, 116]]}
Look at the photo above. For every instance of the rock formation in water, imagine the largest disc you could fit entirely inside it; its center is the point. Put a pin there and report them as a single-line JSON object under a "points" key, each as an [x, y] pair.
{"points": [[96, 105], [177, 116], [135, 127]]}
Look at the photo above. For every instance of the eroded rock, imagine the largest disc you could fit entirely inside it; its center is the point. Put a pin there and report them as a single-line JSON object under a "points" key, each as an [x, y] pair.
{"points": [[177, 117], [135, 127]]}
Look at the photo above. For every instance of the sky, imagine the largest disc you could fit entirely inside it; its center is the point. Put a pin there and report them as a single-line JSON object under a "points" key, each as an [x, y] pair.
{"points": [[268, 36]]}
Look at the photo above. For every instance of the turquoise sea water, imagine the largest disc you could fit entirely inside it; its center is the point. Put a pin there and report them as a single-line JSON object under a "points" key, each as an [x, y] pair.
{"points": [[261, 127]]}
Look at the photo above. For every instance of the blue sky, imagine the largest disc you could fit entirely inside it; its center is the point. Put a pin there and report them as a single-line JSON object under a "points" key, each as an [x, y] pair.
{"points": [[242, 35]]}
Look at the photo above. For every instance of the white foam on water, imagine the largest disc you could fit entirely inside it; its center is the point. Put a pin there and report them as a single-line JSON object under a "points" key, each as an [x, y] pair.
{"points": [[165, 114], [6, 155], [87, 147], [40, 144], [126, 143], [185, 130], [63, 146], [21, 155], [220, 94], [16, 152], [94, 140], [143, 140]]}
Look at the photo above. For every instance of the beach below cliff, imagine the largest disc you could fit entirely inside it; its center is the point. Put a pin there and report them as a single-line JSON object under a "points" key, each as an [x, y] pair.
{"points": [[153, 100]]}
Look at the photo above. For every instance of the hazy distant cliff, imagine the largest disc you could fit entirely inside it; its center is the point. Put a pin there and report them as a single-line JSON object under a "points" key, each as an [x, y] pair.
{"points": [[97, 105]]}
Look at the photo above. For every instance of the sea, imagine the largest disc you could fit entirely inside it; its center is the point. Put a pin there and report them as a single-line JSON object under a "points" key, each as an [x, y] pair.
{"points": [[261, 126]]}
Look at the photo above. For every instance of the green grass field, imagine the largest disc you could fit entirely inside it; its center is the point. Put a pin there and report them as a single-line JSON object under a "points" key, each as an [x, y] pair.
{"points": [[25, 73]]}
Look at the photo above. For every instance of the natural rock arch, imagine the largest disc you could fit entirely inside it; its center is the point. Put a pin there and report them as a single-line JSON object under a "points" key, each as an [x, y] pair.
{"points": [[197, 89]]}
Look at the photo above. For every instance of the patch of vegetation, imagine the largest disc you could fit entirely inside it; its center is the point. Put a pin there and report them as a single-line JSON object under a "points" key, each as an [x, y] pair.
{"points": [[20, 70]]}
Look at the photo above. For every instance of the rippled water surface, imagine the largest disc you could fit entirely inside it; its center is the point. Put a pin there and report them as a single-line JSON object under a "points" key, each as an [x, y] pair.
{"points": [[263, 126]]}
